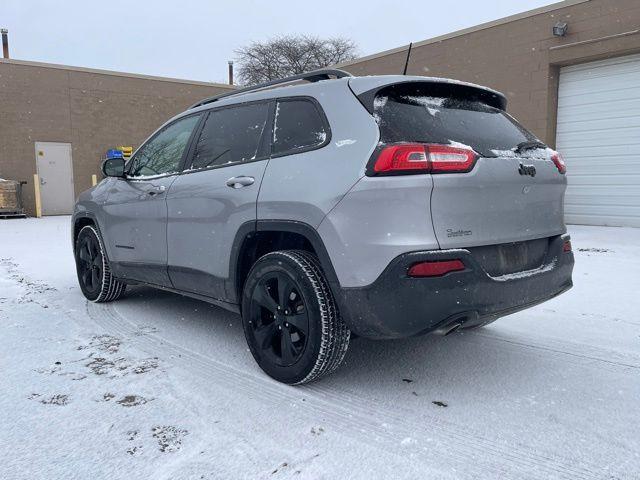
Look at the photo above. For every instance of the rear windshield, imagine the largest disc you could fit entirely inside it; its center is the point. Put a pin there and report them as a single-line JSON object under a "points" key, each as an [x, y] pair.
{"points": [[489, 131]]}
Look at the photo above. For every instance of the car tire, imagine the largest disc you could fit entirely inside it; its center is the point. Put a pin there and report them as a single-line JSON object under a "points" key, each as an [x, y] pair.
{"points": [[94, 274], [291, 322]]}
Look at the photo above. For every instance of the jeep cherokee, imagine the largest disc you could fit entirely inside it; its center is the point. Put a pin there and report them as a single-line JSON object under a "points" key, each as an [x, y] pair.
{"points": [[324, 206]]}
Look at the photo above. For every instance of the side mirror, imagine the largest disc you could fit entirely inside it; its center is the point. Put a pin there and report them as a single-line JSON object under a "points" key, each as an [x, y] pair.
{"points": [[113, 167]]}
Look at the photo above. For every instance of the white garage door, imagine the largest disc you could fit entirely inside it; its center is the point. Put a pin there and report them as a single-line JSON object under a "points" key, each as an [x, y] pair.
{"points": [[599, 135]]}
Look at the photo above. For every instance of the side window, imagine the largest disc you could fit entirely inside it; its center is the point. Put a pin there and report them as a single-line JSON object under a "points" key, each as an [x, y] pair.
{"points": [[298, 126], [231, 135], [162, 154]]}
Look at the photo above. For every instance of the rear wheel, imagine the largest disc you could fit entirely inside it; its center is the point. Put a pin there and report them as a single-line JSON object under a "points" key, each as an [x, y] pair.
{"points": [[290, 319], [94, 275]]}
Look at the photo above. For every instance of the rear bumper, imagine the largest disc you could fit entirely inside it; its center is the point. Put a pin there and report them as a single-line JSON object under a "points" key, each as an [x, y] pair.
{"points": [[397, 306]]}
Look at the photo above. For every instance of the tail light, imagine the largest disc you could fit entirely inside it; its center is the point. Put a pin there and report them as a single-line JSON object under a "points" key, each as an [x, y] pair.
{"points": [[559, 161], [409, 158], [566, 247], [435, 269]]}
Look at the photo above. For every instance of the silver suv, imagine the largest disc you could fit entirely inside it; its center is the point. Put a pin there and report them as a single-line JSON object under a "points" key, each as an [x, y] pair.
{"points": [[325, 206]]}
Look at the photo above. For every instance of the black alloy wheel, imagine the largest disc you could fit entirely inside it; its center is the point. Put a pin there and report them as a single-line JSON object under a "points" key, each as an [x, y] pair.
{"points": [[291, 322], [90, 268], [279, 319], [94, 274]]}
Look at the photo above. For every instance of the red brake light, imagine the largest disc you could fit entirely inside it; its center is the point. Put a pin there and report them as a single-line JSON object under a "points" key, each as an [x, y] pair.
{"points": [[566, 247], [424, 158], [559, 161], [405, 157], [435, 269]]}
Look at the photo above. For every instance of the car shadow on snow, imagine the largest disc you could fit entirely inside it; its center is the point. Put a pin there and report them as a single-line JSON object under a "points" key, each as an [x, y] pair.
{"points": [[435, 366]]}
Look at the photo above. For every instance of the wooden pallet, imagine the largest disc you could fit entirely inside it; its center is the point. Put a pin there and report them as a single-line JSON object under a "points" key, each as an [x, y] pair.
{"points": [[4, 216]]}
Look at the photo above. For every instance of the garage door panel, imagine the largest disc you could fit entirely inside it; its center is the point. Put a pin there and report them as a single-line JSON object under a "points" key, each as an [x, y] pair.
{"points": [[614, 87], [609, 136], [608, 152], [606, 109], [598, 124], [591, 156], [582, 175], [602, 78], [609, 219], [580, 168], [606, 182], [598, 132], [602, 68], [617, 211], [604, 200], [598, 97]]}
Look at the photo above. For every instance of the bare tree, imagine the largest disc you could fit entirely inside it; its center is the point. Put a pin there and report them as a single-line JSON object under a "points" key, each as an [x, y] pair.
{"points": [[289, 55]]}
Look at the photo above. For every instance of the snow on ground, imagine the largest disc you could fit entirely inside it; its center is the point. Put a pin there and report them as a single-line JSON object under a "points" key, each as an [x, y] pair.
{"points": [[158, 386]]}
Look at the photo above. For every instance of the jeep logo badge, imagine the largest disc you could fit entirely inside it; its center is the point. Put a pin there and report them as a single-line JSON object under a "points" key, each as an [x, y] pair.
{"points": [[527, 170]]}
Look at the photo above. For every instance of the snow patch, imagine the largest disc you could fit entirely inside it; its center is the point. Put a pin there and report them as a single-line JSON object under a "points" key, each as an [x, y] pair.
{"points": [[453, 143], [342, 143], [432, 104], [541, 153], [527, 273]]}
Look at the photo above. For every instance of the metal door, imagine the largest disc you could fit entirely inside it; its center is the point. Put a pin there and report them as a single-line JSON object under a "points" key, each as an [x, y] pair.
{"points": [[53, 162]]}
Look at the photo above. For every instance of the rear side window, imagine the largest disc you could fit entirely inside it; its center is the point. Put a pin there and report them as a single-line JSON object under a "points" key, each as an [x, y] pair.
{"points": [[231, 135], [415, 116], [299, 126]]}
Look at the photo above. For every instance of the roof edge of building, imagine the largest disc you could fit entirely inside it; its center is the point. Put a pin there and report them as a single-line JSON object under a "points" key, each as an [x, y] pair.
{"points": [[464, 31], [28, 63]]}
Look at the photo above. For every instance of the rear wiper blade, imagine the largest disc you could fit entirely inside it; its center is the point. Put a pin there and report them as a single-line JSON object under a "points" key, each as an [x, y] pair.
{"points": [[529, 145]]}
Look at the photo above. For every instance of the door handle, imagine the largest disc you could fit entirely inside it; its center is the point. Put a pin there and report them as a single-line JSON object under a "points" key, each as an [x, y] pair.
{"points": [[241, 181], [157, 190]]}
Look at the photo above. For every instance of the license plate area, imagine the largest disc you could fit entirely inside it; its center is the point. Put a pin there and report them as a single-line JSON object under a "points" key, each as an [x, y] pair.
{"points": [[514, 257]]}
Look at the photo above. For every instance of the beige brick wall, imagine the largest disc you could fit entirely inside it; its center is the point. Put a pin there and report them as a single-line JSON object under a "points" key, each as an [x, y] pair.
{"points": [[92, 111], [520, 56]]}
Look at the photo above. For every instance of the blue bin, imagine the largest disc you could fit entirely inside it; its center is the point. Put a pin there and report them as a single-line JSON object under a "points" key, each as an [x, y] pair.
{"points": [[114, 153]]}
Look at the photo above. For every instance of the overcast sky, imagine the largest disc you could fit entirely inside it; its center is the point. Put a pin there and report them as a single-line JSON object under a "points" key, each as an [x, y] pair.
{"points": [[194, 39]]}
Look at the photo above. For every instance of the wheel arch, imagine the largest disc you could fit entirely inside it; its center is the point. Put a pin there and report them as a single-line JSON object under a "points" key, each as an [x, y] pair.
{"points": [[257, 238], [82, 220], [79, 222]]}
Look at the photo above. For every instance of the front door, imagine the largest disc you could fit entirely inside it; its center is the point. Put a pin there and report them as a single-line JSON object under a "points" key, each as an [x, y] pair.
{"points": [[53, 162], [136, 207], [217, 195]]}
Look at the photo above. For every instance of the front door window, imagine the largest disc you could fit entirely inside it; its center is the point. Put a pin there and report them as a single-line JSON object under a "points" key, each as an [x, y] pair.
{"points": [[163, 153]]}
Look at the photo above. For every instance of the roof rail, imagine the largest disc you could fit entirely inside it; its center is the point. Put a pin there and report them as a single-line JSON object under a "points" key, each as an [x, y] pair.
{"points": [[314, 76]]}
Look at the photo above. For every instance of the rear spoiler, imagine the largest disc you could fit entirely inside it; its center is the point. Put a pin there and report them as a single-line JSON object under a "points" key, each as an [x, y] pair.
{"points": [[434, 88]]}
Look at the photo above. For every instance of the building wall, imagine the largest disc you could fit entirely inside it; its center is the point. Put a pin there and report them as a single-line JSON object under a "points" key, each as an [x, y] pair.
{"points": [[92, 110], [519, 55]]}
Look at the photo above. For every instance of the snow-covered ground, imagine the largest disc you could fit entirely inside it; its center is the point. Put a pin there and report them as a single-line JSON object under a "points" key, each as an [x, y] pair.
{"points": [[157, 386]]}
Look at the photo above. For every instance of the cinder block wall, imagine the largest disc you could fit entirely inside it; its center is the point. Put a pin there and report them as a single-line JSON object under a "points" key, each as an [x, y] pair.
{"points": [[92, 110], [519, 55]]}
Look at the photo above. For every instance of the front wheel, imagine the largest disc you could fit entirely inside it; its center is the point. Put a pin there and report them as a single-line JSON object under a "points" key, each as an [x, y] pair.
{"points": [[290, 319], [94, 275]]}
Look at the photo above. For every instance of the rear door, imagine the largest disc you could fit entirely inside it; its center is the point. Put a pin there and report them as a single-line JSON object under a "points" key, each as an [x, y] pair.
{"points": [[136, 208], [55, 171], [216, 196], [513, 192]]}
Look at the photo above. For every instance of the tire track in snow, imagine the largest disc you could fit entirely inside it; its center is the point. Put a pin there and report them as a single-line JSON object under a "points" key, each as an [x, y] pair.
{"points": [[455, 444], [581, 353], [346, 419]]}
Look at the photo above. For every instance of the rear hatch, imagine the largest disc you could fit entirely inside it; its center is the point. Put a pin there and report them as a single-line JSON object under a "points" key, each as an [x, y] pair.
{"points": [[509, 189]]}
